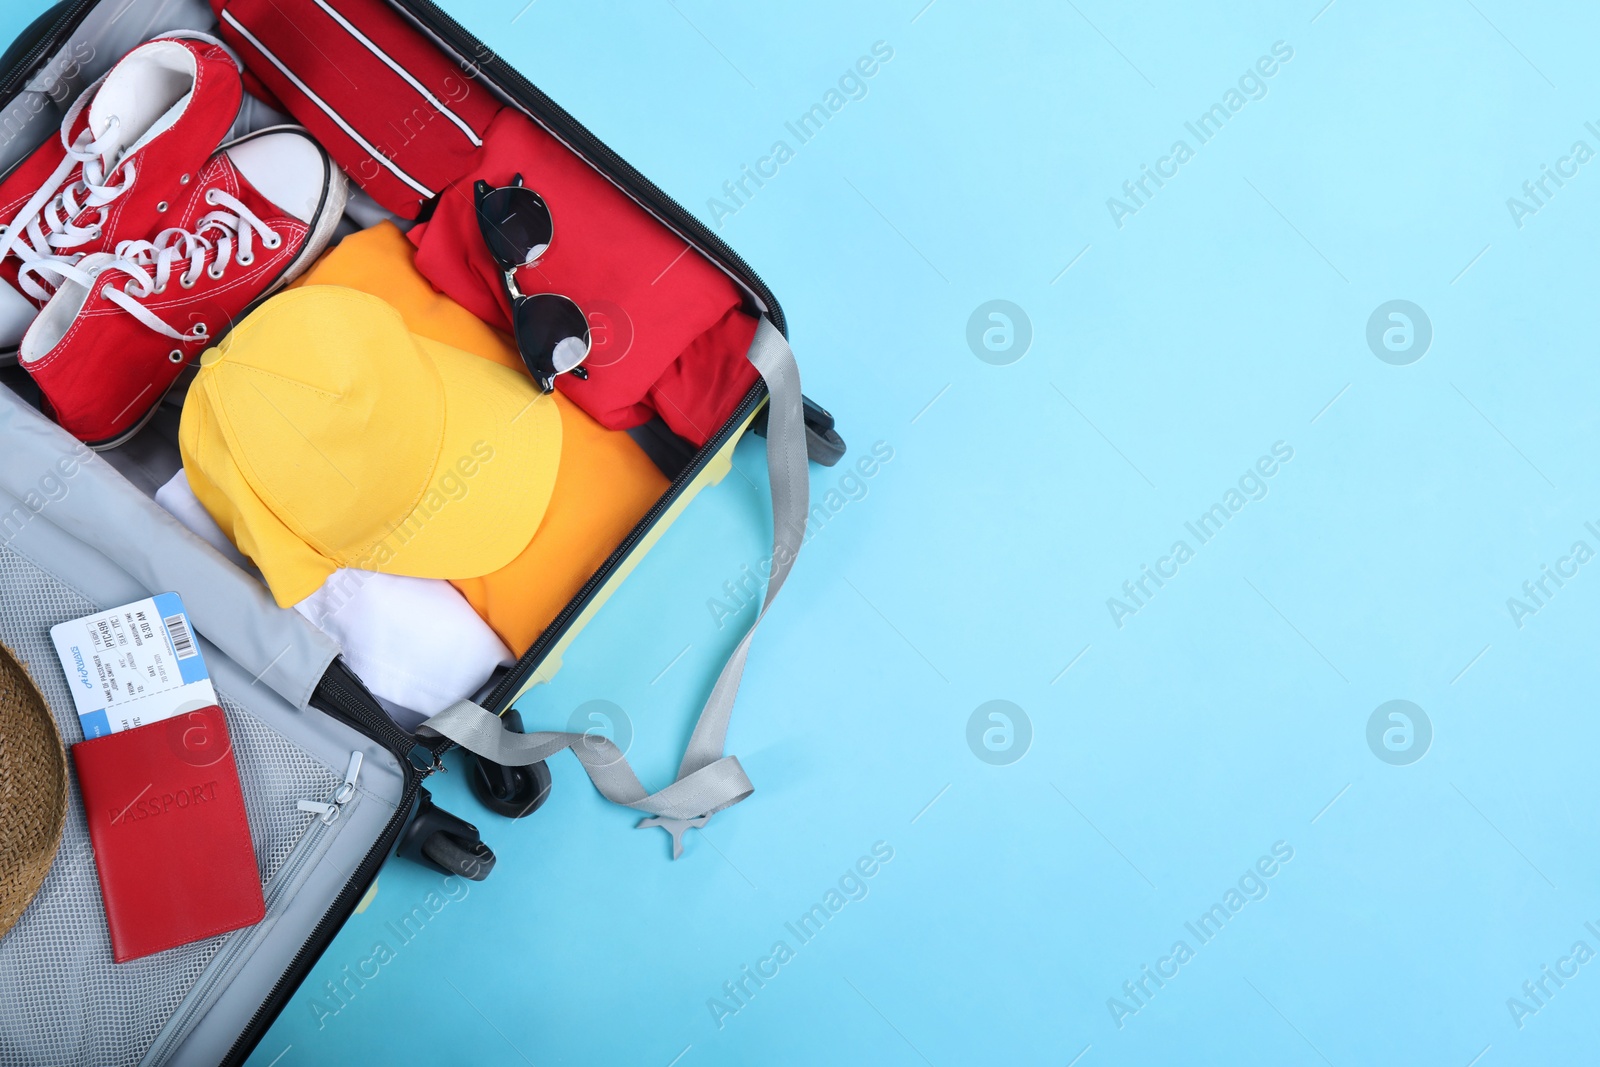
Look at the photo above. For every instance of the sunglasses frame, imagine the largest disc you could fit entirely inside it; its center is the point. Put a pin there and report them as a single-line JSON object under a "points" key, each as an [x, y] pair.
{"points": [[542, 366]]}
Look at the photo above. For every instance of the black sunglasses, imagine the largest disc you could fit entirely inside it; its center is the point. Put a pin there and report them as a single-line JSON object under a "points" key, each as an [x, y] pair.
{"points": [[552, 332]]}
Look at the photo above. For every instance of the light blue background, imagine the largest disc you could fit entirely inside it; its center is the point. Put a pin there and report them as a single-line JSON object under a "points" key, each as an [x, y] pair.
{"points": [[1231, 712]]}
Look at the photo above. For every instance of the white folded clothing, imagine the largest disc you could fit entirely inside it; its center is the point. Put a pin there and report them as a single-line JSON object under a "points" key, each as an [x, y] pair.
{"points": [[415, 642]]}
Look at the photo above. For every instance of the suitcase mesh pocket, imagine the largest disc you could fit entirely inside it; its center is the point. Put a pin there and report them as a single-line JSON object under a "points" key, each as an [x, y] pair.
{"points": [[65, 1001]]}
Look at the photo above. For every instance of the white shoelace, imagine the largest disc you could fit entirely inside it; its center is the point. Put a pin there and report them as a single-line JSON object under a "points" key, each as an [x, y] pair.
{"points": [[45, 230], [233, 232], [230, 233]]}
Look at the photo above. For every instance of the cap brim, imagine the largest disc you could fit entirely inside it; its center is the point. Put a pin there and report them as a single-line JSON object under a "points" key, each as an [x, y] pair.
{"points": [[496, 469]]}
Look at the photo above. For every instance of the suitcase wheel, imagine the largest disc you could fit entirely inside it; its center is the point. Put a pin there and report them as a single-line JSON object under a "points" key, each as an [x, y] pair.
{"points": [[824, 446], [515, 792], [469, 859], [443, 842]]}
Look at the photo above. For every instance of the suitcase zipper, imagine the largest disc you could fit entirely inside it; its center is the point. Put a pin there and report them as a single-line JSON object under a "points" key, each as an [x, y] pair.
{"points": [[361, 707], [48, 41], [342, 701], [328, 812], [312, 845]]}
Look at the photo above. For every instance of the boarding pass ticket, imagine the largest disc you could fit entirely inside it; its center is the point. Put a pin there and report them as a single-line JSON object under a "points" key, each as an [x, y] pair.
{"points": [[133, 665]]}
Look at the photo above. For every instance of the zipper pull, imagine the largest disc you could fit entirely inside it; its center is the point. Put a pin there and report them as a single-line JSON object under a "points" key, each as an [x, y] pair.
{"points": [[424, 759], [347, 788], [342, 795]]}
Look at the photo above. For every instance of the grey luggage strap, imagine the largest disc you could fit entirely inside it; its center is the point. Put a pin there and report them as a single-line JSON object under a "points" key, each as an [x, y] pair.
{"points": [[707, 781]]}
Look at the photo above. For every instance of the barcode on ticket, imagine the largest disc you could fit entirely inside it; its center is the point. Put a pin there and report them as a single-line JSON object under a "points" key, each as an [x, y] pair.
{"points": [[182, 642]]}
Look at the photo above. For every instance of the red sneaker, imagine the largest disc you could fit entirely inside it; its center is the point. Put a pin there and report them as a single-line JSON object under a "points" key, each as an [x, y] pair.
{"points": [[122, 327], [129, 149]]}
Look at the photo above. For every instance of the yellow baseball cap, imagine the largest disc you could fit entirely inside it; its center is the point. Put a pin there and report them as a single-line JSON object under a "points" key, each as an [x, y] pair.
{"points": [[320, 433]]}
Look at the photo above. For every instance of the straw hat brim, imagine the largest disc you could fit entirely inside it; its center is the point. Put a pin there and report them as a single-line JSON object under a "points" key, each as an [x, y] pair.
{"points": [[33, 789]]}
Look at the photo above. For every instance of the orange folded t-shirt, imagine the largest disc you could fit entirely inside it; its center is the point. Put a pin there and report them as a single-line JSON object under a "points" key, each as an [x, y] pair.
{"points": [[604, 484]]}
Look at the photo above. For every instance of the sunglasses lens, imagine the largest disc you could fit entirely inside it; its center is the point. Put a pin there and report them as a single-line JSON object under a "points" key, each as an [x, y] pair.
{"points": [[516, 225], [552, 334]]}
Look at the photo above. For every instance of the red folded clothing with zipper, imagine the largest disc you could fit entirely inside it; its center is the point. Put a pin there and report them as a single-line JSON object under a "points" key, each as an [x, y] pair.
{"points": [[391, 108], [668, 335]]}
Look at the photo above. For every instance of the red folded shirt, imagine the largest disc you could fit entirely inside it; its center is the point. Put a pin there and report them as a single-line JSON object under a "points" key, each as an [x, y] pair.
{"points": [[669, 337], [394, 110], [167, 821]]}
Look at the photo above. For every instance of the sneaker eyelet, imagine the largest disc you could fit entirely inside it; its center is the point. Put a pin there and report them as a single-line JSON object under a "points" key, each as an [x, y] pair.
{"points": [[163, 206], [213, 273], [211, 196], [175, 356], [272, 241], [243, 262], [183, 180], [201, 331], [158, 290], [186, 282]]}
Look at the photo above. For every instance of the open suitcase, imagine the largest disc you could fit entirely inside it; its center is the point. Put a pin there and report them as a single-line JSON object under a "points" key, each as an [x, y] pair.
{"points": [[79, 533]]}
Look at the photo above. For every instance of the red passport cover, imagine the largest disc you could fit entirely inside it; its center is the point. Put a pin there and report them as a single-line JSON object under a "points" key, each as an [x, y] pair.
{"points": [[167, 821]]}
